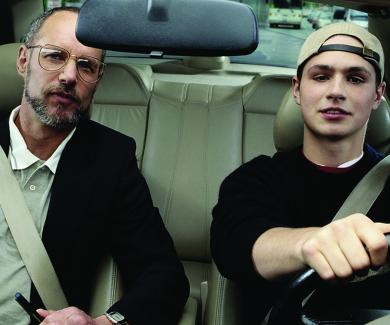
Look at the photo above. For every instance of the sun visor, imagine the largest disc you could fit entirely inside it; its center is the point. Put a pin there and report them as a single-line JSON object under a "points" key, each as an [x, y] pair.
{"points": [[169, 27]]}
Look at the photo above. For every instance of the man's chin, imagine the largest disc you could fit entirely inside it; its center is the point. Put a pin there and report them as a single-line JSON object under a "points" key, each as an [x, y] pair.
{"points": [[62, 121]]}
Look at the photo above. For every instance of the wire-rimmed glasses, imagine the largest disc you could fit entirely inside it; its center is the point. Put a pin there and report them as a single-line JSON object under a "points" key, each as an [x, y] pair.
{"points": [[53, 58]]}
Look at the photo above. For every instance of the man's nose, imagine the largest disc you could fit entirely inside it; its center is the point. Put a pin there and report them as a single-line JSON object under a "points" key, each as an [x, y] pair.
{"points": [[336, 89], [69, 72]]}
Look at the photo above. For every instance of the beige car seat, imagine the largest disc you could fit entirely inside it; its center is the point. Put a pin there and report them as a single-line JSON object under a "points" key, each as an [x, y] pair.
{"points": [[11, 83]]}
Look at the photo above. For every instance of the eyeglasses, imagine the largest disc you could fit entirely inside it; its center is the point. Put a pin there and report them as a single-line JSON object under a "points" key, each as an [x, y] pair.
{"points": [[53, 58]]}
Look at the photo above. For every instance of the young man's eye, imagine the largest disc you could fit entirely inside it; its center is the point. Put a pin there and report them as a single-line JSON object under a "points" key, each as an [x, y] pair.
{"points": [[320, 77], [356, 79]]}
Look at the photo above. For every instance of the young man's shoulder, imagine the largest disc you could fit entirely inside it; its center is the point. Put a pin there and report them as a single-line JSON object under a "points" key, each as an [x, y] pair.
{"points": [[372, 153], [278, 160], [263, 166]]}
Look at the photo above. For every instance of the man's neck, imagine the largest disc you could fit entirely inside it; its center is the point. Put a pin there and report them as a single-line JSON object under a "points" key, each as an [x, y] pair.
{"points": [[40, 139], [332, 153]]}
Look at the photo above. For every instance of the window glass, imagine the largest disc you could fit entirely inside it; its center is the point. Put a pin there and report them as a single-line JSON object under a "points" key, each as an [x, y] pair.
{"points": [[283, 27]]}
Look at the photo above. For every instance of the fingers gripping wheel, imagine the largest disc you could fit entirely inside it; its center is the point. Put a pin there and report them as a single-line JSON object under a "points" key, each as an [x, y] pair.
{"points": [[288, 309]]}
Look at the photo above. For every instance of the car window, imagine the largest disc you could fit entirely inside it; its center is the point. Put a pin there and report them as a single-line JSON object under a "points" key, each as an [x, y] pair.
{"points": [[282, 24]]}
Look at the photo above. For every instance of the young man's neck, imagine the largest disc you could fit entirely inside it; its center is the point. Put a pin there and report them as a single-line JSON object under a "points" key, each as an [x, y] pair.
{"points": [[332, 153]]}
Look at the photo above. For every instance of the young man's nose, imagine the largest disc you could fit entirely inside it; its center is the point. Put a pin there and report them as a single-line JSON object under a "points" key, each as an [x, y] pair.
{"points": [[336, 89]]}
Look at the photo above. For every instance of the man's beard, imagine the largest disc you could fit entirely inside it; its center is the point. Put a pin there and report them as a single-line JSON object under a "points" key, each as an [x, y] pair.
{"points": [[54, 121]]}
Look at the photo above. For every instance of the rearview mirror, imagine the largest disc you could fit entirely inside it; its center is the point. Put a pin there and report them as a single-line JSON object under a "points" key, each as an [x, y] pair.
{"points": [[175, 27]]}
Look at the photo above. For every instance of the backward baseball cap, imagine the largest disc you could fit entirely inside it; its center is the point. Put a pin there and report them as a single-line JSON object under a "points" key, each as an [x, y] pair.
{"points": [[371, 51]]}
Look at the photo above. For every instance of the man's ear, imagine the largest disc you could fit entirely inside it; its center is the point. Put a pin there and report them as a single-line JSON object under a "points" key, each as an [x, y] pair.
{"points": [[380, 90], [21, 61], [295, 90]]}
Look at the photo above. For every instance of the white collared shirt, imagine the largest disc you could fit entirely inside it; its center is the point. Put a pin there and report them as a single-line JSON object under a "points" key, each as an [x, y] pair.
{"points": [[35, 178]]}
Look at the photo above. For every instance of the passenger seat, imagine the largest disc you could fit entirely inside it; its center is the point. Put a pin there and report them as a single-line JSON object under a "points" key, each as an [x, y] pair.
{"points": [[121, 101], [11, 84]]}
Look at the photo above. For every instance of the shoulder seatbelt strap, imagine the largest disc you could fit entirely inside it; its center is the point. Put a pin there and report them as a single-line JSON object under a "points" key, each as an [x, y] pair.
{"points": [[27, 239], [363, 197], [366, 191]]}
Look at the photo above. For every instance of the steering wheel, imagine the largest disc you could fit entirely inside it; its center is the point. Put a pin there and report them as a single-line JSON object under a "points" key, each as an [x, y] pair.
{"points": [[288, 309]]}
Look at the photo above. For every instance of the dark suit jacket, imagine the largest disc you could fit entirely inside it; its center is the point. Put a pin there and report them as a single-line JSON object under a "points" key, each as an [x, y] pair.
{"points": [[100, 202]]}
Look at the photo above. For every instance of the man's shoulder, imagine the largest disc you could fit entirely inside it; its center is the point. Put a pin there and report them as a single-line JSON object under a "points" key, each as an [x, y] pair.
{"points": [[279, 163], [279, 159], [103, 134]]}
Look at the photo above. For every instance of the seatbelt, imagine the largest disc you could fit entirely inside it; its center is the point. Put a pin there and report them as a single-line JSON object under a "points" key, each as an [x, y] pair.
{"points": [[363, 197], [27, 239], [360, 200], [366, 191]]}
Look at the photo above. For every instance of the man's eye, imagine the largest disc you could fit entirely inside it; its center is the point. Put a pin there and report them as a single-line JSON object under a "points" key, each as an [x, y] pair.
{"points": [[356, 79], [54, 55], [320, 77], [86, 65]]}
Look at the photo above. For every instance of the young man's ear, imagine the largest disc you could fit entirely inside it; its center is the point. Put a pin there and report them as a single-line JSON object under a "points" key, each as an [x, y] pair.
{"points": [[380, 90], [21, 61], [295, 90]]}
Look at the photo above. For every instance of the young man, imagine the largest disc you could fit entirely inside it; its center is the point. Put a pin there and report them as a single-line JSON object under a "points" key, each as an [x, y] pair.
{"points": [[273, 217], [83, 188]]}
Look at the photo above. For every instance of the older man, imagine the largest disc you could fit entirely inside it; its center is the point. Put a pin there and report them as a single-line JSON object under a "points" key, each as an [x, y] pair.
{"points": [[83, 188]]}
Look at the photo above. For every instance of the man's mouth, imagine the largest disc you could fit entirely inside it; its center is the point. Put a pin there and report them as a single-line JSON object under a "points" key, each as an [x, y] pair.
{"points": [[334, 111], [64, 97]]}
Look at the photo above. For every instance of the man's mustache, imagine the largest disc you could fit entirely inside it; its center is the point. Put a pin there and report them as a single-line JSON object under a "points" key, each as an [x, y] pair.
{"points": [[62, 89]]}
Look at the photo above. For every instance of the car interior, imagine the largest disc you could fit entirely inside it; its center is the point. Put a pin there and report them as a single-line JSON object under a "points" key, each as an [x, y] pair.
{"points": [[196, 114]]}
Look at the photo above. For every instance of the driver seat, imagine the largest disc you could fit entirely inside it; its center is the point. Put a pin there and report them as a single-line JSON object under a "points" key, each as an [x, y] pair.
{"points": [[288, 134]]}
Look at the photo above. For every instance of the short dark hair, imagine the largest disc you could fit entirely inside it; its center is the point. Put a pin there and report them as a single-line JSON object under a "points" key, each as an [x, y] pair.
{"points": [[36, 24]]}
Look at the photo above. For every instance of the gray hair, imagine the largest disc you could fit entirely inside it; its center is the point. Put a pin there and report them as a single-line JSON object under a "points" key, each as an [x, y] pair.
{"points": [[36, 24]]}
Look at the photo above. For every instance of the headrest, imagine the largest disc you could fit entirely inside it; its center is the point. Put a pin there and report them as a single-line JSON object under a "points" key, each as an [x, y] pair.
{"points": [[11, 83], [118, 79], [288, 126], [264, 93], [207, 62]]}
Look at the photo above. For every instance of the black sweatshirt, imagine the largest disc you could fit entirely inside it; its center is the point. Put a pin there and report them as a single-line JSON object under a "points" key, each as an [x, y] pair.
{"points": [[286, 190]]}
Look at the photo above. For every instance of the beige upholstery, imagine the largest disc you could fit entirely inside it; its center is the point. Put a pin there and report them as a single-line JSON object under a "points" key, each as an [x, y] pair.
{"points": [[11, 83], [378, 128], [288, 127], [262, 98], [121, 102], [224, 303], [193, 141], [108, 291], [209, 63]]}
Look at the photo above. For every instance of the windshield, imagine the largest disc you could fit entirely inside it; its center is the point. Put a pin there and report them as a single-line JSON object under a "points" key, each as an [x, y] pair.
{"points": [[358, 15], [283, 24]]}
